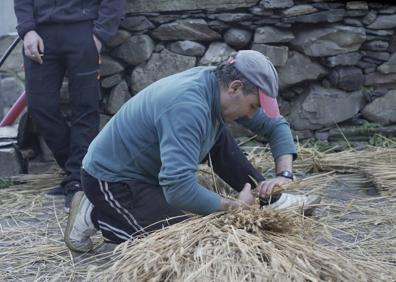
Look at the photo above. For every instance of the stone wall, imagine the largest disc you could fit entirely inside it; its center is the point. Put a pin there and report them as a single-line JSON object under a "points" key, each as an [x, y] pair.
{"points": [[7, 17], [336, 60], [11, 74]]}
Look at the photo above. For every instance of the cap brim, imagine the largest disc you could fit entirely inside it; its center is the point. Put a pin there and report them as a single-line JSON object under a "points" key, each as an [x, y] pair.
{"points": [[269, 105]]}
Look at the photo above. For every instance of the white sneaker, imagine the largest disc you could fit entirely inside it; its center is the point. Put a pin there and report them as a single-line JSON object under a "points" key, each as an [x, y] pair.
{"points": [[290, 201], [79, 227]]}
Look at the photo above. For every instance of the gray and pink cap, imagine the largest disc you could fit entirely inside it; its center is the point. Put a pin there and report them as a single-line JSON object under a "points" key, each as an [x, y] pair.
{"points": [[261, 72]]}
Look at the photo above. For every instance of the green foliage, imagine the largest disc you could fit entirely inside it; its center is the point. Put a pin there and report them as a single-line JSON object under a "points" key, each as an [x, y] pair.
{"points": [[379, 140], [370, 125], [5, 183]]}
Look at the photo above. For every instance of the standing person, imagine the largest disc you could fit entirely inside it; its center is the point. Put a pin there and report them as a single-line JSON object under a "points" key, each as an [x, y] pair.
{"points": [[65, 37], [140, 170]]}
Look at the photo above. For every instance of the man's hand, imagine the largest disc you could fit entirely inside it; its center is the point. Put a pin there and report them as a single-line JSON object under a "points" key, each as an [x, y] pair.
{"points": [[264, 188], [33, 46], [245, 198], [98, 44]]}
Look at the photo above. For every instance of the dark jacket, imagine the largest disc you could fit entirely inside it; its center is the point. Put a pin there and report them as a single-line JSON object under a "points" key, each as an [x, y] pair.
{"points": [[105, 14]]}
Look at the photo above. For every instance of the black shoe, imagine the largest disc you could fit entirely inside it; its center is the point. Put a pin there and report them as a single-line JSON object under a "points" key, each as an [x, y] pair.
{"points": [[71, 189], [55, 192]]}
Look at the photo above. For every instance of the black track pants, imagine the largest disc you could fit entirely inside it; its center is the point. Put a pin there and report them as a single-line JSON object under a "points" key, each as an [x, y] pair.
{"points": [[123, 210]]}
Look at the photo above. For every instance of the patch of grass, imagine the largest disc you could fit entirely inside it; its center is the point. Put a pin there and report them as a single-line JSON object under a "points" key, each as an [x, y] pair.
{"points": [[382, 141], [5, 183], [370, 125]]}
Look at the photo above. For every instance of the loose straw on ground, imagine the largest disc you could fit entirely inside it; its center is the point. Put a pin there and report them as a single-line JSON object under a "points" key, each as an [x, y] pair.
{"points": [[350, 238]]}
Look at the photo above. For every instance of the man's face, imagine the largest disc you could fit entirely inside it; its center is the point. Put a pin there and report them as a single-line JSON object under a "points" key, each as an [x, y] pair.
{"points": [[234, 104]]}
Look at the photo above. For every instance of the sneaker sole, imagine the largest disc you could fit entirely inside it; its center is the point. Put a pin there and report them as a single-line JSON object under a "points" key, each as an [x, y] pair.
{"points": [[70, 222]]}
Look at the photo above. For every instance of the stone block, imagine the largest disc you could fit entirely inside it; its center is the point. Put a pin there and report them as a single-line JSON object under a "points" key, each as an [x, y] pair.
{"points": [[189, 29], [347, 78], [260, 11], [10, 164], [384, 22], [103, 120], [270, 34], [329, 41], [119, 38], [330, 16], [237, 37], [135, 50], [347, 59], [392, 44], [276, 4], [118, 96], [9, 132], [370, 17], [277, 55], [327, 5], [298, 68], [375, 45], [389, 66], [323, 107], [218, 26], [322, 135], [355, 13], [378, 56], [372, 60], [111, 81], [379, 32], [230, 17], [302, 134], [263, 22], [382, 110], [143, 6], [353, 22], [161, 19], [299, 10], [109, 66], [136, 23], [158, 66], [357, 5], [390, 10], [216, 53], [379, 78], [187, 48]]}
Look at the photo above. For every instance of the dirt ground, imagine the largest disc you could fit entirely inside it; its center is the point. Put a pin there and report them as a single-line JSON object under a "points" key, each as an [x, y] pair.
{"points": [[353, 217]]}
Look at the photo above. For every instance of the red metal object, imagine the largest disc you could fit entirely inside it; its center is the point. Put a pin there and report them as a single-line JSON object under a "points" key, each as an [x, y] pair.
{"points": [[15, 111], [20, 104]]}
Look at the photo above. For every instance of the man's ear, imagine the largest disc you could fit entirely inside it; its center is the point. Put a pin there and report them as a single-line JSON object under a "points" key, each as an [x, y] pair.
{"points": [[235, 87]]}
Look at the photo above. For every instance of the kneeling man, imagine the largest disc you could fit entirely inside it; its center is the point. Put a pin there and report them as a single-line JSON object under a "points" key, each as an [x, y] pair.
{"points": [[139, 173]]}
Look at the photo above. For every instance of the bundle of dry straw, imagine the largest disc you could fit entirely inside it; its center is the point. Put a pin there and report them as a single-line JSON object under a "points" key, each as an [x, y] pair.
{"points": [[246, 245], [378, 165], [253, 244]]}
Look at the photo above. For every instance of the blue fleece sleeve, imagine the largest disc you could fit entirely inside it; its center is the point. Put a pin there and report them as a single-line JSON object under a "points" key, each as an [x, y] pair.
{"points": [[181, 131], [277, 131]]}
